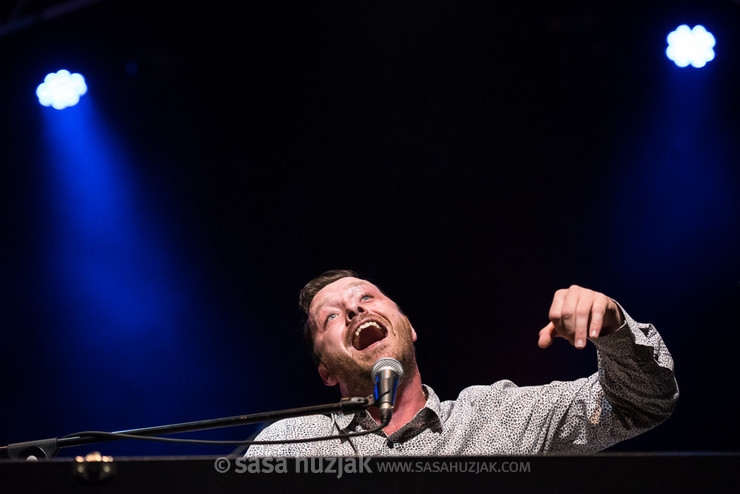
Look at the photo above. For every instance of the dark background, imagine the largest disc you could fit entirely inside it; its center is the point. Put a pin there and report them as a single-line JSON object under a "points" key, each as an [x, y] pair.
{"points": [[469, 157]]}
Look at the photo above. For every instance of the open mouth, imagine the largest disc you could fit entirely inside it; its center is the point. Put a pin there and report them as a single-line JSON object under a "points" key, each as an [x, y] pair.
{"points": [[368, 333]]}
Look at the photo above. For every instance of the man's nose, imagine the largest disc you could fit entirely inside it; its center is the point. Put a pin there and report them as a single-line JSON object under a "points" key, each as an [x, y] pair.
{"points": [[354, 310]]}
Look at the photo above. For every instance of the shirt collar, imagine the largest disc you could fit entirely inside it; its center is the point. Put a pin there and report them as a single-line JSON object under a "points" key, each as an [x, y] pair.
{"points": [[345, 421]]}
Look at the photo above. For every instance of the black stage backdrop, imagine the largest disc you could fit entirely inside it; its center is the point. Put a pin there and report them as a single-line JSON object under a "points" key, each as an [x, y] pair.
{"points": [[469, 157]]}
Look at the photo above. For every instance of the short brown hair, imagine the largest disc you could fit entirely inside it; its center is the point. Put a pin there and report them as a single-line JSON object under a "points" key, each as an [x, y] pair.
{"points": [[308, 292]]}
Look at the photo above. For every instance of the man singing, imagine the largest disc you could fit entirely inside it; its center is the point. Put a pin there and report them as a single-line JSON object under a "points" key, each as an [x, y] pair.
{"points": [[351, 324]]}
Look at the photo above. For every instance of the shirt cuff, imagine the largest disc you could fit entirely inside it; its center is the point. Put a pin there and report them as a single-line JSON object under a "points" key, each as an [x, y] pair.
{"points": [[623, 340]]}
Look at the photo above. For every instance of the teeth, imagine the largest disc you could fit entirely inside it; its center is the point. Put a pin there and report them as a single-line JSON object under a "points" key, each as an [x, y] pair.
{"points": [[366, 325]]}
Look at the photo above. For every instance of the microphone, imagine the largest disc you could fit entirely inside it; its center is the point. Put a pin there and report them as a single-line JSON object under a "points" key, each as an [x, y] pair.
{"points": [[387, 373]]}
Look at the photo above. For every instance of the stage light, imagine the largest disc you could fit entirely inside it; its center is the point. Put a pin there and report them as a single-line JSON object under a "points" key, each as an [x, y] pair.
{"points": [[693, 47], [61, 89]]}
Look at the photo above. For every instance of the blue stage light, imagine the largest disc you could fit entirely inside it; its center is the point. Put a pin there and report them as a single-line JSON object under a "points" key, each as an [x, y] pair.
{"points": [[693, 47], [61, 89]]}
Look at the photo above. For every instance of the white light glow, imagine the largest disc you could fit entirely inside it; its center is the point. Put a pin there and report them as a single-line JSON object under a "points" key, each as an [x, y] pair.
{"points": [[693, 47], [61, 89]]}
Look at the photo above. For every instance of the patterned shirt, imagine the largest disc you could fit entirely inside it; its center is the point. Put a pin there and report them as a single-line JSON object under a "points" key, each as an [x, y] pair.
{"points": [[633, 391]]}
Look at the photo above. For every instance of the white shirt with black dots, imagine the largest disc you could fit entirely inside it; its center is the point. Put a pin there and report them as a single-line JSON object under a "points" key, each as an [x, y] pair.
{"points": [[633, 390]]}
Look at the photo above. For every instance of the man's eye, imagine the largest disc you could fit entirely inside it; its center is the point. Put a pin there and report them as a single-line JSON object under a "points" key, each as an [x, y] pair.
{"points": [[366, 297], [330, 317]]}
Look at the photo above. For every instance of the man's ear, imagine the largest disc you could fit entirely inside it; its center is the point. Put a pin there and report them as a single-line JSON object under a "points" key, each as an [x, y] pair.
{"points": [[413, 334], [327, 376]]}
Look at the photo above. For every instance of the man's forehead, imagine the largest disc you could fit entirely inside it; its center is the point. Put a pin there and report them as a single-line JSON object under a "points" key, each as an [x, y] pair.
{"points": [[335, 290]]}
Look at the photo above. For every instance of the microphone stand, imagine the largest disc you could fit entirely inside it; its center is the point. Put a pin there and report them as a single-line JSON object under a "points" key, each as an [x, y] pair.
{"points": [[48, 448]]}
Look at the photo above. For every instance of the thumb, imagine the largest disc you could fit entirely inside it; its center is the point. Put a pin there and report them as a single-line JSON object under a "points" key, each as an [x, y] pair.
{"points": [[546, 335]]}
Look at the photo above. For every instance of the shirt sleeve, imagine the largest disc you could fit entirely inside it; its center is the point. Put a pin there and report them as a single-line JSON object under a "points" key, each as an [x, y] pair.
{"points": [[637, 377], [294, 428], [633, 391], [274, 432]]}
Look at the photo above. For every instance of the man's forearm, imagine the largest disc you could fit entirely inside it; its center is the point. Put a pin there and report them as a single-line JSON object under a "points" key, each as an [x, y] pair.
{"points": [[636, 374]]}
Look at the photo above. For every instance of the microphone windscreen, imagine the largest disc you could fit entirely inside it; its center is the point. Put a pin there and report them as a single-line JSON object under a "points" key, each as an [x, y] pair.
{"points": [[387, 363]]}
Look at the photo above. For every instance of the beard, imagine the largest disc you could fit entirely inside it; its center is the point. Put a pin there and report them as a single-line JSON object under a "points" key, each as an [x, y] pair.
{"points": [[355, 375]]}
